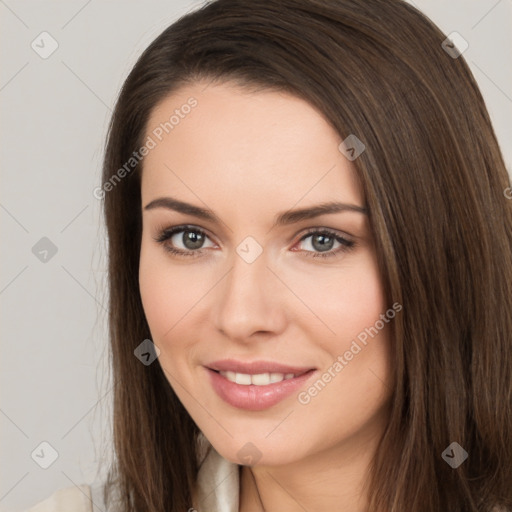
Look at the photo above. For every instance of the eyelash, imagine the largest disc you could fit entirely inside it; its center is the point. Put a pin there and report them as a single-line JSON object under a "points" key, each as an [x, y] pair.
{"points": [[166, 234]]}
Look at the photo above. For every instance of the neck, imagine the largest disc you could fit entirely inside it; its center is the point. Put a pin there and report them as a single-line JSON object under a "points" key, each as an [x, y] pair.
{"points": [[334, 479]]}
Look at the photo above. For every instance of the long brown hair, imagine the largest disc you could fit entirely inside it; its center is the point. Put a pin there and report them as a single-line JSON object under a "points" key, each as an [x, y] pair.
{"points": [[434, 181]]}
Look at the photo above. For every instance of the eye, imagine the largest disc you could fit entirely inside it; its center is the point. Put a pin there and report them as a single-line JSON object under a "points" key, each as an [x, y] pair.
{"points": [[323, 240], [188, 241], [190, 238]]}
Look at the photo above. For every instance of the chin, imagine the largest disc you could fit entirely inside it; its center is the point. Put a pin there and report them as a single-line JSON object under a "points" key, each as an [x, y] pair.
{"points": [[256, 452]]}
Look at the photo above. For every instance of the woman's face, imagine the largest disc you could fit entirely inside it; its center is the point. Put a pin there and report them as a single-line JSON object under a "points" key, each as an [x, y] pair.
{"points": [[258, 290]]}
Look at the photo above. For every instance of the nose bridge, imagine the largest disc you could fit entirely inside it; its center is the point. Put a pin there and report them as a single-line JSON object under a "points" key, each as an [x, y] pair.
{"points": [[249, 300]]}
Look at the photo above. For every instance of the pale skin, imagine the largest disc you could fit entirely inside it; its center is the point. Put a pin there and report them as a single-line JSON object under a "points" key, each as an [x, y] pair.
{"points": [[248, 157]]}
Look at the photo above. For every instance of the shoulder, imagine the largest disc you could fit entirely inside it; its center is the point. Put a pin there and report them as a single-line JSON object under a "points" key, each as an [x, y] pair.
{"points": [[68, 499]]}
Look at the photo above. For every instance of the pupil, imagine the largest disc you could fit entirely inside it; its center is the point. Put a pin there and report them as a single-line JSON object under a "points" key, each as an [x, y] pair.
{"points": [[192, 240], [322, 239]]}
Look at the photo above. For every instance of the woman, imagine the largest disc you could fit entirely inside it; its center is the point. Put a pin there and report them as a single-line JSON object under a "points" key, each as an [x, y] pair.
{"points": [[310, 259]]}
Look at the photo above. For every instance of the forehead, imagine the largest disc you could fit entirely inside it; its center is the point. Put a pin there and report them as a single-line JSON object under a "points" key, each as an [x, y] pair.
{"points": [[214, 138]]}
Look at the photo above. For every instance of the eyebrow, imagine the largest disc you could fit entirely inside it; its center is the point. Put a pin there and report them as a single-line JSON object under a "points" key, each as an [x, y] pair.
{"points": [[281, 219]]}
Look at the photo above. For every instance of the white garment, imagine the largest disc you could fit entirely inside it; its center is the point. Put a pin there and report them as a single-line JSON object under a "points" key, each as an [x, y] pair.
{"points": [[218, 481], [217, 488]]}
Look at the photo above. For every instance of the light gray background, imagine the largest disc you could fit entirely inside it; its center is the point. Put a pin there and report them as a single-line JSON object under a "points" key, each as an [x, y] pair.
{"points": [[54, 118]]}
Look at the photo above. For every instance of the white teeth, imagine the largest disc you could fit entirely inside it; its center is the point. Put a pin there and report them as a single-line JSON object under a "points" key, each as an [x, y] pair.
{"points": [[243, 378], [276, 377], [260, 379]]}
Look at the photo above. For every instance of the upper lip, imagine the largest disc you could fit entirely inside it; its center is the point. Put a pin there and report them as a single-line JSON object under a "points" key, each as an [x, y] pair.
{"points": [[256, 367]]}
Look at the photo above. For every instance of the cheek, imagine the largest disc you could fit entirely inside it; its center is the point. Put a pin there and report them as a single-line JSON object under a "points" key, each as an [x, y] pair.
{"points": [[154, 291], [345, 301], [355, 381], [163, 291], [362, 301], [173, 298], [166, 290], [165, 303]]}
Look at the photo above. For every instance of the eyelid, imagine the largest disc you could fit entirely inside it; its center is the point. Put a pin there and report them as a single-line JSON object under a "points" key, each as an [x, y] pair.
{"points": [[334, 232], [172, 230], [346, 244]]}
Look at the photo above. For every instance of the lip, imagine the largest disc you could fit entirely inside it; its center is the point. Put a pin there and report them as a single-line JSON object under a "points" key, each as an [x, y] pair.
{"points": [[252, 397]]}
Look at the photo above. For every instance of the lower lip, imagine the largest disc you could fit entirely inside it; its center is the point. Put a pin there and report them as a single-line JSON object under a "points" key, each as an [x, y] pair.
{"points": [[255, 398]]}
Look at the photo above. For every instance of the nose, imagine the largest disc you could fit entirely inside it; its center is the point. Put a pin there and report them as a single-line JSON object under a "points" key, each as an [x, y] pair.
{"points": [[249, 302]]}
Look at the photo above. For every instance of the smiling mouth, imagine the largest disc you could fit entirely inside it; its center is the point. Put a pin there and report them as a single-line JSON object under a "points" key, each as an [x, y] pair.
{"points": [[257, 391]]}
